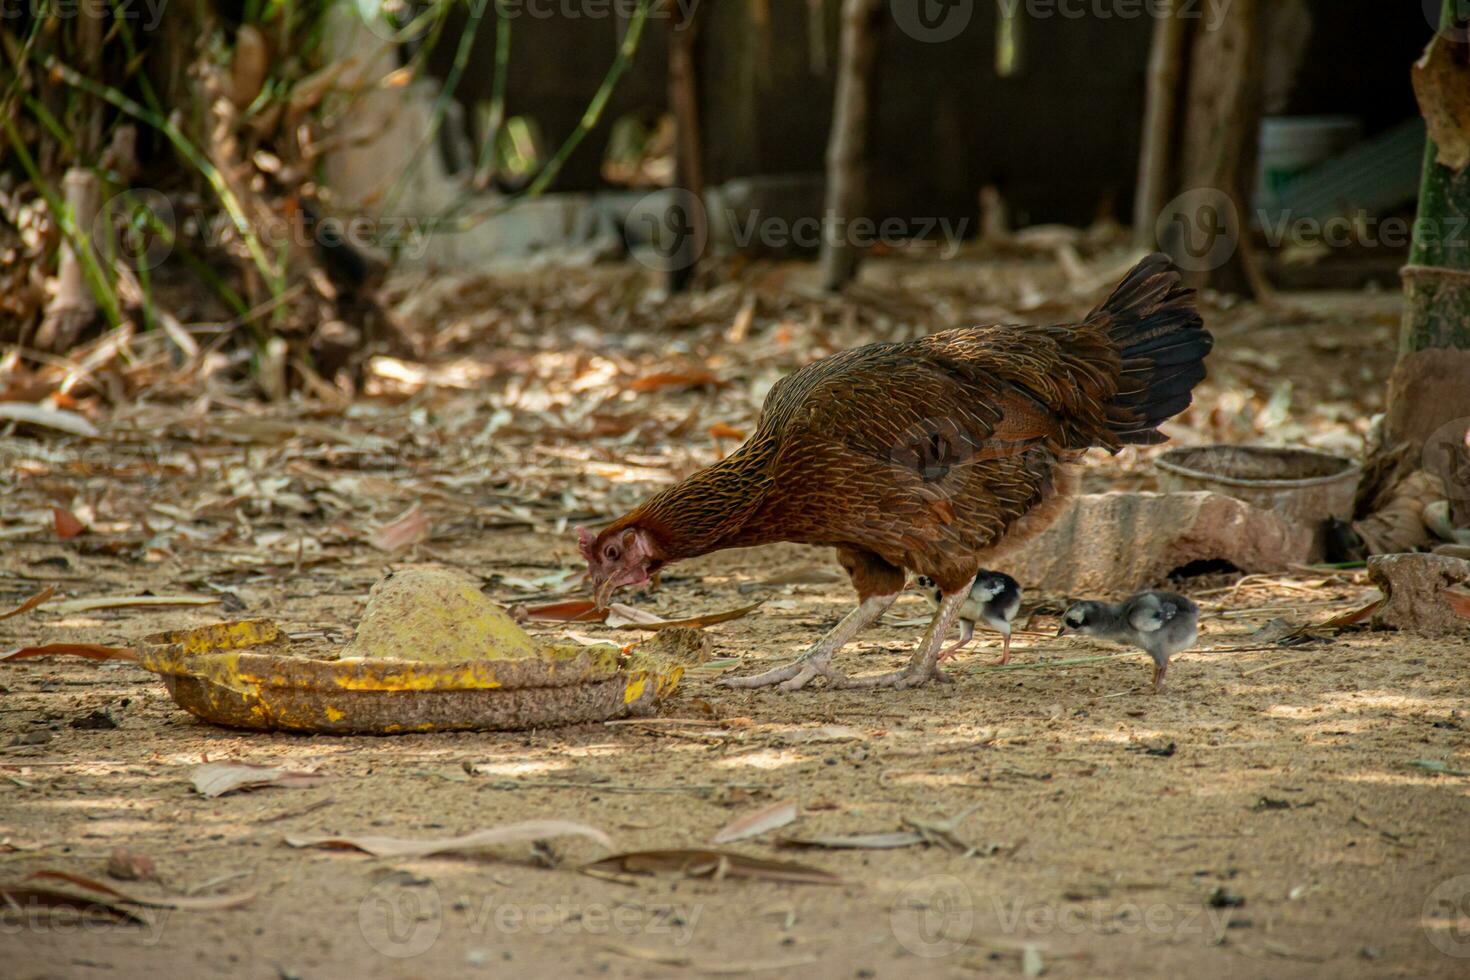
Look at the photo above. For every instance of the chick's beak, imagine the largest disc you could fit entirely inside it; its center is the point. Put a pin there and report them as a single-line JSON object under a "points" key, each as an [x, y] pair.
{"points": [[1062, 630]]}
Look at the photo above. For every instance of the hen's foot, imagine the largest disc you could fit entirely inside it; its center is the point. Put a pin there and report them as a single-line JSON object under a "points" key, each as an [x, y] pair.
{"points": [[910, 676], [817, 662], [924, 666], [792, 677]]}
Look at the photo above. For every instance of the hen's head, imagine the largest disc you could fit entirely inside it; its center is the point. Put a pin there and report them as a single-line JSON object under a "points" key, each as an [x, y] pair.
{"points": [[617, 557]]}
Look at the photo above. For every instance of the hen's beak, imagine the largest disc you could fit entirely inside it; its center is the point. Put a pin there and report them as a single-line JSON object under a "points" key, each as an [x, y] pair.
{"points": [[602, 592]]}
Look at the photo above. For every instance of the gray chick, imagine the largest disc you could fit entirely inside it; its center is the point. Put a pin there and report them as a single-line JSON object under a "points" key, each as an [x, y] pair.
{"points": [[994, 600], [1159, 623]]}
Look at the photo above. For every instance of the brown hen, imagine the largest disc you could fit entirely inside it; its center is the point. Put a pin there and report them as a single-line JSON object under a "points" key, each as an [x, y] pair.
{"points": [[928, 456]]}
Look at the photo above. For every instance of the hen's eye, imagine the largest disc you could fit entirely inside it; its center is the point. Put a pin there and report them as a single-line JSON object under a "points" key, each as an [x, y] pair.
{"points": [[611, 553]]}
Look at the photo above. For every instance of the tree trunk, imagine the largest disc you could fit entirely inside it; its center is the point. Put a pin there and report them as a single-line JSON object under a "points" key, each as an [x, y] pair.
{"points": [[1429, 391], [73, 307], [688, 148], [847, 145], [1165, 64], [1222, 137]]}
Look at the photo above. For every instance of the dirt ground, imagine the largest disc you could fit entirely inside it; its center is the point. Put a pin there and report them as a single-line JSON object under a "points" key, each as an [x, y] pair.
{"points": [[1282, 812]]}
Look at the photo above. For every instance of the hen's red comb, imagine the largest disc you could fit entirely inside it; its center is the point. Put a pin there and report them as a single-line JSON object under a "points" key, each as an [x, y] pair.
{"points": [[585, 541]]}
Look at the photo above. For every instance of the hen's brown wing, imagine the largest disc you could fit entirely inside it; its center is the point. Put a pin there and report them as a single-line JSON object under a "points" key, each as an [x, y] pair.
{"points": [[927, 452]]}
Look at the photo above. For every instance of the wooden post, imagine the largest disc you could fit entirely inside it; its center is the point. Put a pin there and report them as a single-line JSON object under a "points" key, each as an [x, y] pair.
{"points": [[847, 144], [1222, 130], [1160, 117], [688, 148]]}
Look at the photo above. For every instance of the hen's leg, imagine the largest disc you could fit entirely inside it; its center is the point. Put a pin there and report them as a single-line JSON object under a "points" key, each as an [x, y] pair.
{"points": [[817, 661], [924, 667], [967, 633]]}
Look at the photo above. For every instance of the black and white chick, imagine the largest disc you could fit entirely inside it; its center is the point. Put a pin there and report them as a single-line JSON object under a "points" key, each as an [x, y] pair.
{"points": [[1159, 623], [994, 600]]}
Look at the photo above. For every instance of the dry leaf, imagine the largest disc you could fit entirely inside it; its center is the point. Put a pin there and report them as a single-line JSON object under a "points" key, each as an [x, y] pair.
{"points": [[126, 601], [410, 527], [823, 733], [1351, 618], [48, 418], [704, 863], [693, 622], [858, 842], [673, 379], [620, 615], [719, 968], [1340, 621], [570, 611], [513, 833], [67, 524], [92, 651], [1442, 85], [722, 431], [1459, 602], [218, 778], [30, 603], [753, 825], [198, 903], [27, 897]]}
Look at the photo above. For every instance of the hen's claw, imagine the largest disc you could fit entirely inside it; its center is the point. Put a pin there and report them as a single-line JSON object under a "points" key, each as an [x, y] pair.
{"points": [[817, 662], [792, 677], [901, 679]]}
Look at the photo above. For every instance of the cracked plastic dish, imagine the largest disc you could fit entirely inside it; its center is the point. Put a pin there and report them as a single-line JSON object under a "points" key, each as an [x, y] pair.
{"points": [[432, 654], [249, 674]]}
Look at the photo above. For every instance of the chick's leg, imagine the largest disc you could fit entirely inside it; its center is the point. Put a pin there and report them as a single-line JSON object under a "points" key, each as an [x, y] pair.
{"points": [[967, 633], [924, 667], [817, 661]]}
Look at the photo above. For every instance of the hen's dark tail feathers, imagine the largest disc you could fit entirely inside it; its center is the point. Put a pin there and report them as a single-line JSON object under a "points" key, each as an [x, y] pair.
{"points": [[1152, 321]]}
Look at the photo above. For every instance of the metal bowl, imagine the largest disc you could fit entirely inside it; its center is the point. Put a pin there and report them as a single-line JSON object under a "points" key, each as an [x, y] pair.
{"points": [[1303, 485]]}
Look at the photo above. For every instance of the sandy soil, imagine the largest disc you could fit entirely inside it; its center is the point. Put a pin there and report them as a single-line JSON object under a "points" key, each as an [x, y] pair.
{"points": [[1264, 817], [1288, 790]]}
